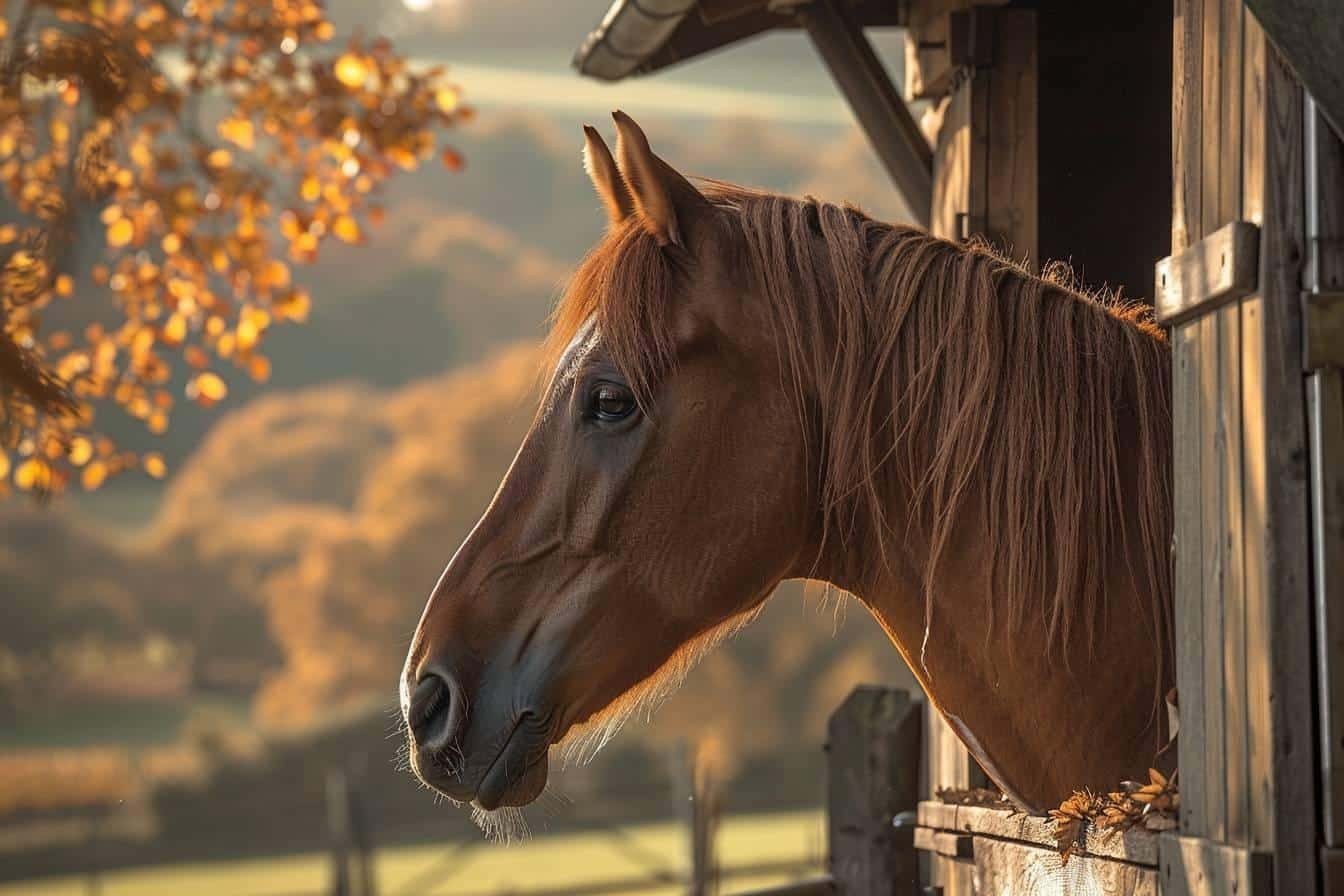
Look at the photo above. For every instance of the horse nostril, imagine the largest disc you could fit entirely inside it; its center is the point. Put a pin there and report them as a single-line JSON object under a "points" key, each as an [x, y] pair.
{"points": [[436, 710]]}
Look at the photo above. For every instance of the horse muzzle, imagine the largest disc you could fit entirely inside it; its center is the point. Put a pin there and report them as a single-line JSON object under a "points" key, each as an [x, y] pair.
{"points": [[486, 754]]}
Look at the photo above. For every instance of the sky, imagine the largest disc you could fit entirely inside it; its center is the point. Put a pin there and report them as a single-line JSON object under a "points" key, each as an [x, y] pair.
{"points": [[515, 54]]}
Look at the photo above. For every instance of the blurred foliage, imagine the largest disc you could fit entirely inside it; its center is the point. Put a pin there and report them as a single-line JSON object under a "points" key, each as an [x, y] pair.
{"points": [[204, 147], [105, 777]]}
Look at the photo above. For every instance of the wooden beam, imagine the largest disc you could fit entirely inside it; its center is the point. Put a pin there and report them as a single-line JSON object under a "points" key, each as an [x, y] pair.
{"points": [[1220, 268], [1136, 846], [1005, 867], [876, 102], [1310, 36], [938, 44]]}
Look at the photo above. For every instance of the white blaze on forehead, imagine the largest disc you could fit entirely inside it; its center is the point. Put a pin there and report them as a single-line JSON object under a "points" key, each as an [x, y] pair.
{"points": [[580, 347]]}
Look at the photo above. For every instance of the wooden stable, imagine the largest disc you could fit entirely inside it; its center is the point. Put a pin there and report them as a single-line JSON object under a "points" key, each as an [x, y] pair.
{"points": [[1168, 148]]}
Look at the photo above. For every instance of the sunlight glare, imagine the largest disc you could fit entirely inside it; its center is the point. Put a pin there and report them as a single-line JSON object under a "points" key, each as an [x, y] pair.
{"points": [[418, 5]]}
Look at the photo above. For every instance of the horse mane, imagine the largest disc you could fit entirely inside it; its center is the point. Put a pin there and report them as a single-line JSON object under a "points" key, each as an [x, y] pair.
{"points": [[942, 372]]}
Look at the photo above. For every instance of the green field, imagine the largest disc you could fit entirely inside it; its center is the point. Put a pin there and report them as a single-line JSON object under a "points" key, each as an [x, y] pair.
{"points": [[553, 864]]}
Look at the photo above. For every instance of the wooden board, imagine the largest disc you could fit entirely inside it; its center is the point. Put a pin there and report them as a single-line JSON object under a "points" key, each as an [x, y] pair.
{"points": [[1196, 866], [1212, 396], [931, 65], [1287, 569], [1216, 270], [1135, 846], [1005, 867], [1187, 65], [952, 877], [1187, 549], [1231, 537], [1255, 483]]}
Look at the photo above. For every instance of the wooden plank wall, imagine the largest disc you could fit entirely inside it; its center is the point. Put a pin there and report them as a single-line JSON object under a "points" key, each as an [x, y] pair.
{"points": [[1243, 633]]}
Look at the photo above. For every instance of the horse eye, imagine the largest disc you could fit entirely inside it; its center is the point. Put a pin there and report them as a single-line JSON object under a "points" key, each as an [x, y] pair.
{"points": [[610, 402]]}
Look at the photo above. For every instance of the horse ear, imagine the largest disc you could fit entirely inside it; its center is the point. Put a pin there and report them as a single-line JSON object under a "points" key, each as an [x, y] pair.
{"points": [[666, 201], [601, 168]]}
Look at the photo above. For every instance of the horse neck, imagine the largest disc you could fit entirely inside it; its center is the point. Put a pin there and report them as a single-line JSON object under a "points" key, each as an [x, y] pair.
{"points": [[1026, 702]]}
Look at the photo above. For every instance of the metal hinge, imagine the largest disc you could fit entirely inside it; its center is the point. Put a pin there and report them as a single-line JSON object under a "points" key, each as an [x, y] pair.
{"points": [[1322, 330]]}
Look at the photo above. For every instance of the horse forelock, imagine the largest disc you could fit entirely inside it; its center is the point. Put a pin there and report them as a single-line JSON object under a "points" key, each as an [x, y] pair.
{"points": [[945, 371]]}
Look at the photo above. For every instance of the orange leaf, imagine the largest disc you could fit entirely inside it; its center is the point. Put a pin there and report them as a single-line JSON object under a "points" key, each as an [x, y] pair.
{"points": [[154, 465], [120, 233], [94, 475]]}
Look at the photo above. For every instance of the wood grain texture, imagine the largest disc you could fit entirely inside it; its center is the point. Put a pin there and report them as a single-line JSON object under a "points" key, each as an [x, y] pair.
{"points": [[952, 877], [1213, 765], [1287, 568], [1187, 550], [1258, 790], [1253, 121], [1005, 867], [1219, 268], [1135, 846], [1211, 95], [873, 750], [1255, 511], [1187, 63], [1194, 866], [1230, 87], [1232, 538]]}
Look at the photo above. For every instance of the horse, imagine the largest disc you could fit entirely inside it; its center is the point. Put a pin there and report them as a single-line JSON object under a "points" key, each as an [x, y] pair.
{"points": [[747, 388]]}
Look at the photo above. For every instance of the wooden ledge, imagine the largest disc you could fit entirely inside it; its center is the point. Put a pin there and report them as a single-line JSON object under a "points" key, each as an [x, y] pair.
{"points": [[1135, 845]]}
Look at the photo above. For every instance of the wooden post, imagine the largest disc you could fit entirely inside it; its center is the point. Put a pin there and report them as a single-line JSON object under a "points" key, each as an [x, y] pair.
{"points": [[95, 880], [361, 833], [704, 820], [338, 827], [874, 743]]}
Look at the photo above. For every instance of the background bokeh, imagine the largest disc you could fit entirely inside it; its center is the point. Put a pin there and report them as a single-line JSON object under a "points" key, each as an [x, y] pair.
{"points": [[184, 658]]}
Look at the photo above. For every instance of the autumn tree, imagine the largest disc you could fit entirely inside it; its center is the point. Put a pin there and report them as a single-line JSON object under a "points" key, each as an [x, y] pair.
{"points": [[163, 167]]}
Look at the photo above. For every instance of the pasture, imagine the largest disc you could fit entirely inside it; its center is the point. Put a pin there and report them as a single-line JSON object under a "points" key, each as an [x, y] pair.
{"points": [[756, 851]]}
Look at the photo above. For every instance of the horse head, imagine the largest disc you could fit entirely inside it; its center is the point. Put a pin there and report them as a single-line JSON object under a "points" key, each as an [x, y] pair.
{"points": [[656, 499]]}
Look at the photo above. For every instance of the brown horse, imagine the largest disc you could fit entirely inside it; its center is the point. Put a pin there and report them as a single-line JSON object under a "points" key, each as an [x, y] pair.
{"points": [[749, 388]]}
